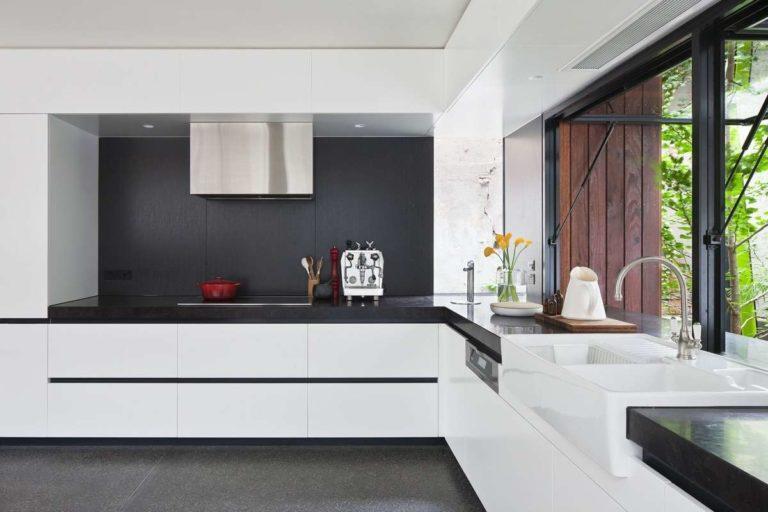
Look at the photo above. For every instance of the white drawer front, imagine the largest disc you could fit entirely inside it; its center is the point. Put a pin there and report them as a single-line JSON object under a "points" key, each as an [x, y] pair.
{"points": [[242, 350], [242, 410], [112, 350], [112, 410], [373, 410], [373, 350]]}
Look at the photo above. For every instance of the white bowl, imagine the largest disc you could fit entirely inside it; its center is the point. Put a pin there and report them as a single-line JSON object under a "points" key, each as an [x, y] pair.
{"points": [[516, 308]]}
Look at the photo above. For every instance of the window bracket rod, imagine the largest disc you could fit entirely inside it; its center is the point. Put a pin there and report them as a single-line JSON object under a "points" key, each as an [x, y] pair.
{"points": [[744, 188], [558, 230], [758, 119]]}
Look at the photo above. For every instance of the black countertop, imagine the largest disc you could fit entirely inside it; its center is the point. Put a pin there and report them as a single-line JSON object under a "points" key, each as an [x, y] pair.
{"points": [[477, 322], [717, 454]]}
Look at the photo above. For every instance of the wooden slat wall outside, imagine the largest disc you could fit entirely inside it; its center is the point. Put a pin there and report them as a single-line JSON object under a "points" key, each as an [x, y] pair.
{"points": [[618, 218]]}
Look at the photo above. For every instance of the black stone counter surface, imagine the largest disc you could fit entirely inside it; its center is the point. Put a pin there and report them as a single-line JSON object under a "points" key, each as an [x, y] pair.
{"points": [[476, 322], [719, 455]]}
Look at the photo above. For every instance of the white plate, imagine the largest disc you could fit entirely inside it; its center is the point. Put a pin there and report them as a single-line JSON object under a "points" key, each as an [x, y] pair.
{"points": [[516, 308]]}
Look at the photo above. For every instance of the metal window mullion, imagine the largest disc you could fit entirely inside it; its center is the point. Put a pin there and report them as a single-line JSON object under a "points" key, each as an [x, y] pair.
{"points": [[708, 186]]}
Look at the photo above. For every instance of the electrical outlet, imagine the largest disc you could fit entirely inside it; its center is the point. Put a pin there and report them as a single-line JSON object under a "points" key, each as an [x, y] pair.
{"points": [[118, 275]]}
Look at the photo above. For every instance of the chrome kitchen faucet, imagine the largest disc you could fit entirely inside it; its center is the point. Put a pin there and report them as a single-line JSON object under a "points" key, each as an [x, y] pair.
{"points": [[687, 344]]}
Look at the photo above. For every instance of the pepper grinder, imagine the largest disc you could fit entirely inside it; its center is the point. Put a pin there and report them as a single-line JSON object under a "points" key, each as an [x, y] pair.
{"points": [[335, 274]]}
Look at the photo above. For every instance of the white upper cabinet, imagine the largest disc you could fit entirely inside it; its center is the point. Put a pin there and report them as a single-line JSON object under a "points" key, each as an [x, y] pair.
{"points": [[23, 215], [375, 81], [221, 81], [89, 81], [214, 81]]}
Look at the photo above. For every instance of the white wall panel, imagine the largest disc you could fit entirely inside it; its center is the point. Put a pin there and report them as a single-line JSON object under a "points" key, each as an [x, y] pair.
{"points": [[23, 215], [524, 197], [73, 212]]}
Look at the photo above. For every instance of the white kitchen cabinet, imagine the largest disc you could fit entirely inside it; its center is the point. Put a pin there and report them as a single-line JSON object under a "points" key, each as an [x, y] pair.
{"points": [[89, 81], [373, 350], [374, 81], [245, 81], [112, 410], [243, 410], [112, 350], [23, 380], [677, 500], [23, 214], [243, 350], [507, 461], [373, 410], [453, 381], [574, 491]]}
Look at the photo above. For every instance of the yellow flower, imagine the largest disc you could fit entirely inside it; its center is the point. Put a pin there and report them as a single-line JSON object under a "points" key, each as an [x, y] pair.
{"points": [[519, 240], [488, 251], [502, 241], [528, 243]]}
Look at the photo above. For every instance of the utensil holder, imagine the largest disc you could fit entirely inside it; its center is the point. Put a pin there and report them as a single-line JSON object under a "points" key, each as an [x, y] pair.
{"points": [[311, 283]]}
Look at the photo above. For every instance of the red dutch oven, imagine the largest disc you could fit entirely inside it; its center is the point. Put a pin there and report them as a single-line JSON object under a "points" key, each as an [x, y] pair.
{"points": [[219, 289]]}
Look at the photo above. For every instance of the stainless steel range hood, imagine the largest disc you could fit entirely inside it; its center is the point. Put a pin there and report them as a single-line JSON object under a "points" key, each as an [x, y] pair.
{"points": [[251, 160]]}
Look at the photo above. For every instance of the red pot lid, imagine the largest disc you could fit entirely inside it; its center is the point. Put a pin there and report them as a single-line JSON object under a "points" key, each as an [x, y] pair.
{"points": [[220, 280]]}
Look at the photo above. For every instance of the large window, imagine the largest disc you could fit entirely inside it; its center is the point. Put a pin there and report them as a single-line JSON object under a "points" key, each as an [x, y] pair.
{"points": [[746, 191], [677, 160]]}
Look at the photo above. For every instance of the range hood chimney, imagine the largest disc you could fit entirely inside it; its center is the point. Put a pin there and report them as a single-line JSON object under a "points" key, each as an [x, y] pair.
{"points": [[251, 160]]}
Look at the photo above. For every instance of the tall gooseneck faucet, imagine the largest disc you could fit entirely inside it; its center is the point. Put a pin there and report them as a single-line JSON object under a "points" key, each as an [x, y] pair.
{"points": [[687, 343]]}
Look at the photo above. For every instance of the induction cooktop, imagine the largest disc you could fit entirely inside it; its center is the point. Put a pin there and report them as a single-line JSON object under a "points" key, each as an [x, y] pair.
{"points": [[262, 300]]}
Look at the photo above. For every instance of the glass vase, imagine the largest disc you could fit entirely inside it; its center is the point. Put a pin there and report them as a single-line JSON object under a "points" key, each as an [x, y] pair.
{"points": [[510, 285]]}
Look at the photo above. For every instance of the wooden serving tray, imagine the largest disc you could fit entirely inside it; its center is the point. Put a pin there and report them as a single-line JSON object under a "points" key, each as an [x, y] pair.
{"points": [[607, 325]]}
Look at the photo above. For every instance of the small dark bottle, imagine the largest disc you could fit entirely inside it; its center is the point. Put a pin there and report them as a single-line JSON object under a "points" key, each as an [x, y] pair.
{"points": [[560, 300]]}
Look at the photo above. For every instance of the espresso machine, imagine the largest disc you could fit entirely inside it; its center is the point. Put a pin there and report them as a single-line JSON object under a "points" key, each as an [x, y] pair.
{"points": [[362, 271]]}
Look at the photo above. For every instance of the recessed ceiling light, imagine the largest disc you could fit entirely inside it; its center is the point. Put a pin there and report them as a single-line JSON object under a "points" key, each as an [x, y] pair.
{"points": [[148, 126], [359, 125], [535, 77]]}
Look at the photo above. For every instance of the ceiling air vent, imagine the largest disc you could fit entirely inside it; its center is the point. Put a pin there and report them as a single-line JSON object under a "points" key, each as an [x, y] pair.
{"points": [[649, 22]]}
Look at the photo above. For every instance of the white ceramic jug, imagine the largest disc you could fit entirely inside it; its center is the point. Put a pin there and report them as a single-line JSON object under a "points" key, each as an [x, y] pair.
{"points": [[582, 299]]}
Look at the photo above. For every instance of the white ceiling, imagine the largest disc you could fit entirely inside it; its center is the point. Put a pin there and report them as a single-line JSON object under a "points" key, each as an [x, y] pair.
{"points": [[228, 23], [325, 125], [531, 73]]}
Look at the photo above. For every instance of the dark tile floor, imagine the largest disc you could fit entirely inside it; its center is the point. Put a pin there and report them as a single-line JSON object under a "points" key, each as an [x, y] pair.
{"points": [[233, 478]]}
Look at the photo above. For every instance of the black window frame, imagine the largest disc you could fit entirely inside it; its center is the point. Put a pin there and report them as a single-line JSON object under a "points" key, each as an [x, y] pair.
{"points": [[701, 39]]}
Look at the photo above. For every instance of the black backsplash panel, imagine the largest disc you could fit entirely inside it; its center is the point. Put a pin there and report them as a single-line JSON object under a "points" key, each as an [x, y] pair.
{"points": [[148, 223], [379, 189], [156, 239]]}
